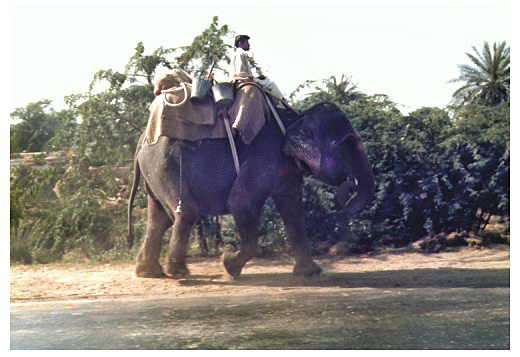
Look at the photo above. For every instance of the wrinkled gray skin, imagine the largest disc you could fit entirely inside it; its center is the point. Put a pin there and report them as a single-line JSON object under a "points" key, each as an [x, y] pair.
{"points": [[320, 140]]}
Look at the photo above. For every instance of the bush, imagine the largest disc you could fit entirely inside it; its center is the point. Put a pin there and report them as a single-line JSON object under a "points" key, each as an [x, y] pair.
{"points": [[46, 226], [436, 171]]}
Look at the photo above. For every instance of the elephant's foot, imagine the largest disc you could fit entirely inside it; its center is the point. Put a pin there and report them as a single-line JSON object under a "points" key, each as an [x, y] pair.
{"points": [[309, 268], [149, 270], [232, 264], [177, 270]]}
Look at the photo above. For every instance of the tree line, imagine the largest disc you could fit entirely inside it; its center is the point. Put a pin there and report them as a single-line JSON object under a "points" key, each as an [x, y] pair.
{"points": [[437, 169]]}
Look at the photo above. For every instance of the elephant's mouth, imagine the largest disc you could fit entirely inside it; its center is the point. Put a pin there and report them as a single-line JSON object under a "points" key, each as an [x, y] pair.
{"points": [[302, 166], [353, 194], [347, 192]]}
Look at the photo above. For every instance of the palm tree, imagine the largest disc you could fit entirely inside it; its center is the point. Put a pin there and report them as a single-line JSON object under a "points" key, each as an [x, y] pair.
{"points": [[340, 91], [487, 82]]}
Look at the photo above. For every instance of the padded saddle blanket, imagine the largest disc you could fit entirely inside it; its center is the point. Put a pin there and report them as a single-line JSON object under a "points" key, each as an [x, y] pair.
{"points": [[174, 115]]}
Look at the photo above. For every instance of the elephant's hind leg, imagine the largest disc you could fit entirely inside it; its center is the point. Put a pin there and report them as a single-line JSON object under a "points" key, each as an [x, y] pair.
{"points": [[148, 265], [176, 266]]}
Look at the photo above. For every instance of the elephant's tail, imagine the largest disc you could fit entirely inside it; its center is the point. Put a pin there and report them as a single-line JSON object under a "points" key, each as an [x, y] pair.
{"points": [[135, 186]]}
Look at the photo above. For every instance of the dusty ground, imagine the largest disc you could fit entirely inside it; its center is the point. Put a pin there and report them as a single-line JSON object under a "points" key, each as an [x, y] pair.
{"points": [[392, 268]]}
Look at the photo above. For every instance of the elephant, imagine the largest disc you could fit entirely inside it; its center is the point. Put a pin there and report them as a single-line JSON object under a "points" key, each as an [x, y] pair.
{"points": [[201, 175]]}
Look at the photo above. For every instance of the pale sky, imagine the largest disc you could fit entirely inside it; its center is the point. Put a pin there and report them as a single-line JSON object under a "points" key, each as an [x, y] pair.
{"points": [[408, 53]]}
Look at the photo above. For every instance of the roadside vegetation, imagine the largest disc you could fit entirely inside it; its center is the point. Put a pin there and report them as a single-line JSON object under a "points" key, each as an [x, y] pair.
{"points": [[439, 171]]}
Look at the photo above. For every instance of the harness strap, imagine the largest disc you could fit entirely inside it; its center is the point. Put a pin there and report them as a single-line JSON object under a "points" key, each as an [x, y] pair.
{"points": [[276, 116], [231, 142], [225, 117]]}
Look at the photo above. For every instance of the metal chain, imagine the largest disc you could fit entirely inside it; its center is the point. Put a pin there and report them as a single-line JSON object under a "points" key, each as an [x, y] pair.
{"points": [[179, 208]]}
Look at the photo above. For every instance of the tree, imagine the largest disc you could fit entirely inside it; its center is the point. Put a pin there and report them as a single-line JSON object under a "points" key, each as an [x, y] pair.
{"points": [[36, 125], [487, 82], [340, 92], [477, 160]]}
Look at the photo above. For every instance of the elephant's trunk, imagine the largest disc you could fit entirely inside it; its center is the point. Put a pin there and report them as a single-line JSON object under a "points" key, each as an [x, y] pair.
{"points": [[357, 192]]}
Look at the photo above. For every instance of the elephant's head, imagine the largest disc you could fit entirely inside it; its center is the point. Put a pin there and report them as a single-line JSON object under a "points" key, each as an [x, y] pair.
{"points": [[325, 142]]}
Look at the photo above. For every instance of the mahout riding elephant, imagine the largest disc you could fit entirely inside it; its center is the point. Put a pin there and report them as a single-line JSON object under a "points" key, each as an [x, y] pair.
{"points": [[202, 175]]}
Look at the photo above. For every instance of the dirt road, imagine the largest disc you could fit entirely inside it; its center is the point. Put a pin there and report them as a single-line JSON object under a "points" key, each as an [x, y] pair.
{"points": [[394, 300]]}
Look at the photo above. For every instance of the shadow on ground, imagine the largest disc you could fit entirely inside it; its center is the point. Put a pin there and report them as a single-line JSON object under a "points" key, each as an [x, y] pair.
{"points": [[417, 278]]}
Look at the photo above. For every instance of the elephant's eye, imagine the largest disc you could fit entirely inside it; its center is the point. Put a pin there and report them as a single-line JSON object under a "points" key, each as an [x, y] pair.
{"points": [[306, 133], [337, 141]]}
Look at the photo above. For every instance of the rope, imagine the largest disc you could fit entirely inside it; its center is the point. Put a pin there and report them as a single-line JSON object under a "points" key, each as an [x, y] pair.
{"points": [[180, 172], [179, 206], [183, 87]]}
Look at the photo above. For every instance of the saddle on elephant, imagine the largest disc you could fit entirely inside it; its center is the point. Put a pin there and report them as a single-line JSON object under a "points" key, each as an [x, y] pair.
{"points": [[174, 115]]}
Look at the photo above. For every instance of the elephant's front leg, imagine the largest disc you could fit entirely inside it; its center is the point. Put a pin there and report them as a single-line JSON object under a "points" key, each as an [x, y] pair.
{"points": [[247, 218], [176, 266], [291, 210]]}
